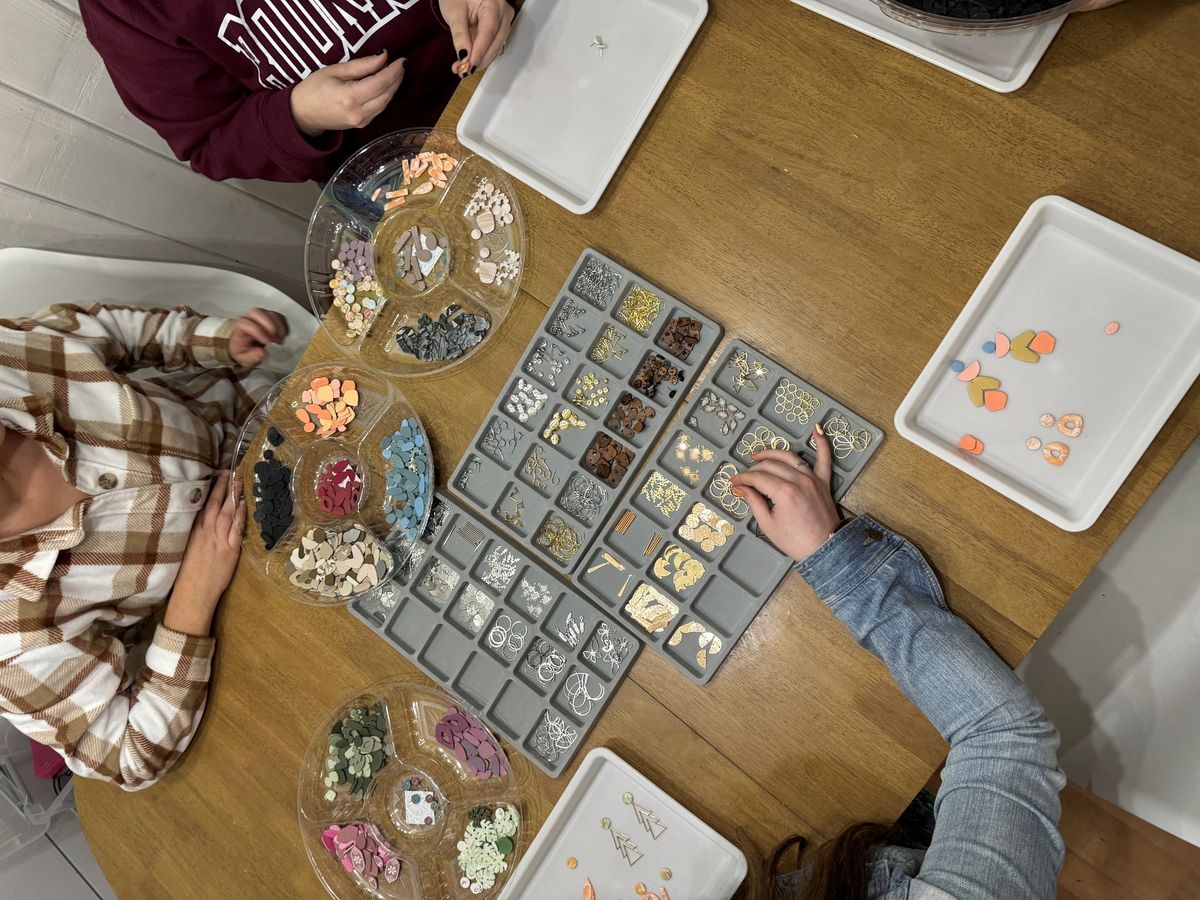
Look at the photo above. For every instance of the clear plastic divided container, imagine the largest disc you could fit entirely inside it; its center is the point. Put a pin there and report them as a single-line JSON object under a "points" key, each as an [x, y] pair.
{"points": [[381, 411], [951, 25], [354, 206], [428, 854]]}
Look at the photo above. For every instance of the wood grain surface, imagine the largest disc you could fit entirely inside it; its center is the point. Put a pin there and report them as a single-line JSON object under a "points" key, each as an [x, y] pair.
{"points": [[834, 202]]}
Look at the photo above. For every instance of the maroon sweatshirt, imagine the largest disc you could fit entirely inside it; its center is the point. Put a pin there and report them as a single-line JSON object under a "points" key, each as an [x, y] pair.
{"points": [[215, 77]]}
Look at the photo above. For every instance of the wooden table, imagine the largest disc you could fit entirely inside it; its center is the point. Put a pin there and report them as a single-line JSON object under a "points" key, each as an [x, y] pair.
{"points": [[835, 202]]}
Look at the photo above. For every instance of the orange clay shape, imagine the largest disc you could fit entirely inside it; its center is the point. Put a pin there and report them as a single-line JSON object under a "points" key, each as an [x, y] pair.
{"points": [[1043, 342], [971, 444], [1071, 425], [1056, 454], [995, 400]]}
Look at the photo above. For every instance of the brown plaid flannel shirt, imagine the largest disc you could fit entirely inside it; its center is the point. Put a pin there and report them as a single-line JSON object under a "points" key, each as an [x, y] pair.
{"points": [[72, 592]]}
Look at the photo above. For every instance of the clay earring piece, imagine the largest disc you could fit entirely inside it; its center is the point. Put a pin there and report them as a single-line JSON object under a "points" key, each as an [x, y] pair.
{"points": [[983, 390]]}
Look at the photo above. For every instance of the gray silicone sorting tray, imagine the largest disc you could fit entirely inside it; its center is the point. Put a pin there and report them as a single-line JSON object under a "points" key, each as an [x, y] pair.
{"points": [[740, 575], [495, 475], [422, 620]]}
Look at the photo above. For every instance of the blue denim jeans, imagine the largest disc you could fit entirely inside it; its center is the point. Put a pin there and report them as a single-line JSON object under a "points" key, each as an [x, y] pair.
{"points": [[997, 811]]}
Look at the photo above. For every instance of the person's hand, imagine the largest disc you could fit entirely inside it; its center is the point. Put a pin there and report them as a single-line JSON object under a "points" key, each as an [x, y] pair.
{"points": [[801, 514], [252, 333], [480, 31], [209, 560], [346, 95]]}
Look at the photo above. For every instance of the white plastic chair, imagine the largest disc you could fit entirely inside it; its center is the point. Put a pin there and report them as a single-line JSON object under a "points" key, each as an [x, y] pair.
{"points": [[28, 805], [33, 279]]}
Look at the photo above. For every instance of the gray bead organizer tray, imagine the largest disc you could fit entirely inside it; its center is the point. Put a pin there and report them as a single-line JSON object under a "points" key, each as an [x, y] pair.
{"points": [[683, 560], [520, 648], [572, 427]]}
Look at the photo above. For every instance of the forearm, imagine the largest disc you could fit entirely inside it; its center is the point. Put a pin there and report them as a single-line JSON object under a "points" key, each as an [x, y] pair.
{"points": [[260, 141], [130, 736], [132, 338], [998, 807], [884, 592], [190, 610]]}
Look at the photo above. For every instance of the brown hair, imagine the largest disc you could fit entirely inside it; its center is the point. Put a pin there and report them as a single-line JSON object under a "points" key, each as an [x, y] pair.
{"points": [[837, 869]]}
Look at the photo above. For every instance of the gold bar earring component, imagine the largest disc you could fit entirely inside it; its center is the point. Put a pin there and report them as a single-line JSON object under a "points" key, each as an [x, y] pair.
{"points": [[652, 545], [609, 560]]}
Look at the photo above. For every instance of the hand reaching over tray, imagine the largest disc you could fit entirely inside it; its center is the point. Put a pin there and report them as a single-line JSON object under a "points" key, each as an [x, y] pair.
{"points": [[792, 502]]}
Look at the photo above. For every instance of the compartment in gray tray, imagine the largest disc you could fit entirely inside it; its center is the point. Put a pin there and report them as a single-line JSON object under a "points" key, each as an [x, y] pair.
{"points": [[729, 608], [373, 609], [582, 695], [444, 654], [473, 630], [437, 583], [607, 652], [472, 609], [616, 375], [515, 709], [713, 590], [507, 636], [480, 680], [608, 575], [543, 665], [534, 593], [570, 621], [410, 627]]}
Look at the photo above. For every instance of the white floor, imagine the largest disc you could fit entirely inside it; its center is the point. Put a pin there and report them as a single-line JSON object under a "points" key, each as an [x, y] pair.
{"points": [[1117, 670], [59, 866]]}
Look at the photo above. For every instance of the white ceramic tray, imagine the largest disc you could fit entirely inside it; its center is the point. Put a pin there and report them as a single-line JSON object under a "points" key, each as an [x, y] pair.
{"points": [[703, 865], [553, 113], [1001, 62], [1068, 271]]}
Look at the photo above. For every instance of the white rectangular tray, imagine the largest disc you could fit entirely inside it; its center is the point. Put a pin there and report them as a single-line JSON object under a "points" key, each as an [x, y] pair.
{"points": [[704, 866], [1001, 62], [1068, 271], [553, 113]]}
